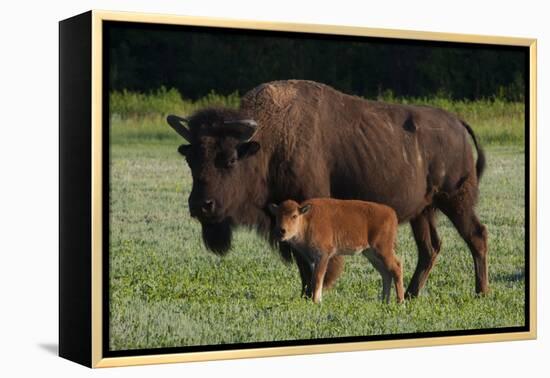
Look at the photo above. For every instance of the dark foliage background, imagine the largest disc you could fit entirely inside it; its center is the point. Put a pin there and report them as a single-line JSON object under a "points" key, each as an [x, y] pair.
{"points": [[197, 61]]}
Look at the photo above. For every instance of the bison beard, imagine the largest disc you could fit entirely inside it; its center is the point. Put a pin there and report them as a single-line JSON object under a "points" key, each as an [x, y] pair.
{"points": [[217, 236]]}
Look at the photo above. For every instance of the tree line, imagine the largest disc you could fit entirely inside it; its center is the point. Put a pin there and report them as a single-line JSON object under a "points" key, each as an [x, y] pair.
{"points": [[197, 61]]}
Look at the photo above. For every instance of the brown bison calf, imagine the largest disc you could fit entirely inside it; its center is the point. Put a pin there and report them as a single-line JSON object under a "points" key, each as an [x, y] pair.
{"points": [[323, 228]]}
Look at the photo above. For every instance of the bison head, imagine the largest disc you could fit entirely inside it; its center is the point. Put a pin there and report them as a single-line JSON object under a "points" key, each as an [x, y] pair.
{"points": [[218, 153]]}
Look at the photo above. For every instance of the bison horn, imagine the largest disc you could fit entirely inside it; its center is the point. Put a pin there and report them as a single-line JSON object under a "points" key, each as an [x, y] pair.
{"points": [[245, 128], [177, 124]]}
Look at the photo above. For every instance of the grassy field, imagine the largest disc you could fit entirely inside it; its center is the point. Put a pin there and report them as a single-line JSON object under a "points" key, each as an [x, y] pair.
{"points": [[167, 290]]}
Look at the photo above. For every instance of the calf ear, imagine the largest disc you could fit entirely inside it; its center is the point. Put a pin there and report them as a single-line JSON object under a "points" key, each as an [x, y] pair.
{"points": [[272, 208], [184, 149], [247, 149], [304, 209]]}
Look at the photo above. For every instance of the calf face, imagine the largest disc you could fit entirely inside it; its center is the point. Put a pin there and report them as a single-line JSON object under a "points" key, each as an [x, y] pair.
{"points": [[288, 218]]}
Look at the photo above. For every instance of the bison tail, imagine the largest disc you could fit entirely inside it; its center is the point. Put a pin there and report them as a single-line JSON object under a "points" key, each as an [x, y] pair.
{"points": [[480, 164]]}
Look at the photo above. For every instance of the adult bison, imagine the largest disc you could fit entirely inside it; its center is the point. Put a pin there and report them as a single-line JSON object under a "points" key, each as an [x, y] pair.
{"points": [[300, 139]]}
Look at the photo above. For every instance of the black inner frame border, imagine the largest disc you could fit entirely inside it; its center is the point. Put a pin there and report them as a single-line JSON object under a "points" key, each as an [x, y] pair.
{"points": [[108, 25]]}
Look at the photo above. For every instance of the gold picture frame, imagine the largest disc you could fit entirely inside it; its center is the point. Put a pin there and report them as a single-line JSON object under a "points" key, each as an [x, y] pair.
{"points": [[90, 327]]}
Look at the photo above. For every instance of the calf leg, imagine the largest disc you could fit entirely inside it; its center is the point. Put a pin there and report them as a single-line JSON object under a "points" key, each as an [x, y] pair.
{"points": [[395, 268], [334, 270], [429, 246], [391, 268], [320, 269], [372, 255], [304, 190]]}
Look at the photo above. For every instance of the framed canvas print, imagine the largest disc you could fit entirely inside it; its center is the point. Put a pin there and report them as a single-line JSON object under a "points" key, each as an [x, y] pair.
{"points": [[234, 189]]}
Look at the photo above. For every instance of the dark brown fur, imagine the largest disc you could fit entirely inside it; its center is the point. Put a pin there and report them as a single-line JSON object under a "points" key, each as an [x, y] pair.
{"points": [[317, 142], [324, 228]]}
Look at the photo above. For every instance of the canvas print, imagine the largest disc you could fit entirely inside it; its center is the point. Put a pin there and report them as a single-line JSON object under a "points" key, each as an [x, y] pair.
{"points": [[272, 188]]}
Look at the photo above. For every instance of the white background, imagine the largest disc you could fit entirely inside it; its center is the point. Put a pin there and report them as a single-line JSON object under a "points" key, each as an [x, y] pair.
{"points": [[29, 188]]}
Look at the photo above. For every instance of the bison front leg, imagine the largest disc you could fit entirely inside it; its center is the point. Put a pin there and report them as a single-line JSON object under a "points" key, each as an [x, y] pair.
{"points": [[429, 245], [304, 267]]}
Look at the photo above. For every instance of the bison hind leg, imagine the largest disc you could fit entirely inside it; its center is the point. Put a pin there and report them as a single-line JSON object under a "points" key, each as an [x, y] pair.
{"points": [[474, 234]]}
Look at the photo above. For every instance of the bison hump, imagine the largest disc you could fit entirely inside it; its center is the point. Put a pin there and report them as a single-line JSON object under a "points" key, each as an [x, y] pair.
{"points": [[278, 94]]}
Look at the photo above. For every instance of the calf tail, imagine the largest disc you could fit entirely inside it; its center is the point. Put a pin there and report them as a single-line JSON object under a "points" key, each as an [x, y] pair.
{"points": [[481, 162]]}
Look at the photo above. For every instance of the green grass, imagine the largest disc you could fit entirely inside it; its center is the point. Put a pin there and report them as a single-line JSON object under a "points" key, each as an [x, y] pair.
{"points": [[167, 290], [139, 116], [164, 101]]}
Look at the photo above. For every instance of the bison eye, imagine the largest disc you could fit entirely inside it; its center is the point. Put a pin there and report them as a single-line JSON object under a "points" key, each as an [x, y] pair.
{"points": [[231, 162]]}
